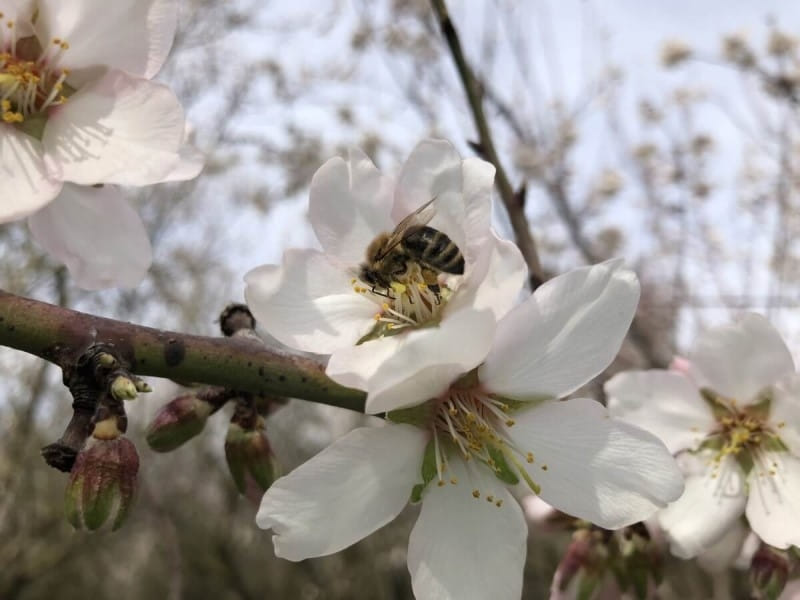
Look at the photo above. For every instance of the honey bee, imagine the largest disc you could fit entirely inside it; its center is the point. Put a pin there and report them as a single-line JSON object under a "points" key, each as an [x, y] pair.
{"points": [[392, 256]]}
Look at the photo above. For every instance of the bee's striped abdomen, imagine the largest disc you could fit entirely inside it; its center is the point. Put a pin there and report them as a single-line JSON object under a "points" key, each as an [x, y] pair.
{"points": [[434, 249]]}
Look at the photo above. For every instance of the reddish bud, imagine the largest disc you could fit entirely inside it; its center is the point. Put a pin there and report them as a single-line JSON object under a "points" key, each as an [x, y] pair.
{"points": [[177, 422], [769, 570], [250, 460], [102, 483]]}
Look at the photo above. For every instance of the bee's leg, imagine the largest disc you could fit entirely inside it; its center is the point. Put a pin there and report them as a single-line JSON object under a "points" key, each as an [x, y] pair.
{"points": [[434, 287], [385, 294]]}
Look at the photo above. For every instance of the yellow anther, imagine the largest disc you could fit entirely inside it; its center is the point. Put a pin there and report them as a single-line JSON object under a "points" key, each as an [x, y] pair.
{"points": [[544, 467], [490, 498], [529, 457], [453, 480], [499, 503], [510, 422], [385, 306], [440, 483], [781, 424], [476, 494]]}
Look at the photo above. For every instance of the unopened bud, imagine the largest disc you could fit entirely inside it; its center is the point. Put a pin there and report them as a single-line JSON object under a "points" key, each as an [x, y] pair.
{"points": [[769, 570], [142, 386], [579, 560], [122, 388], [102, 484], [104, 359], [177, 422], [250, 460]]}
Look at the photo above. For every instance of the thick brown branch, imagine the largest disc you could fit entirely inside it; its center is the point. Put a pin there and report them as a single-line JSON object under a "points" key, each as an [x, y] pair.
{"points": [[60, 336], [514, 208]]}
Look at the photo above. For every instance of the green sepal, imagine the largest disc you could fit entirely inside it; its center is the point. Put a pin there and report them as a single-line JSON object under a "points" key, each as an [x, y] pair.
{"points": [[587, 584], [516, 405], [745, 461], [501, 469], [716, 403], [760, 409], [714, 444], [33, 126], [416, 493], [428, 469], [419, 415], [773, 443]]}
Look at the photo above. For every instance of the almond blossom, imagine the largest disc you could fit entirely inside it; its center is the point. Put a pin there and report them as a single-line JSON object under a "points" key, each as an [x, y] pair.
{"points": [[77, 110], [412, 339], [495, 433], [734, 420]]}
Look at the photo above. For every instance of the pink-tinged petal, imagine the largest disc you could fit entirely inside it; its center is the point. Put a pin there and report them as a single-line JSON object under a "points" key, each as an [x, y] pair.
{"points": [[433, 170], [467, 548], [784, 413], [594, 467], [118, 129], [308, 303], [23, 177], [347, 491], [96, 234], [349, 205], [740, 359], [712, 501], [664, 403], [567, 332], [406, 369], [131, 35], [773, 505]]}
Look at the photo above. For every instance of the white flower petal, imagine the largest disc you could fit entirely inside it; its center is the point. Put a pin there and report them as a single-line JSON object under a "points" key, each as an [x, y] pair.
{"points": [[500, 285], [406, 369], [130, 35], [23, 177], [784, 413], [465, 548], [740, 359], [773, 505], [190, 163], [707, 509], [477, 180], [594, 467], [433, 170], [350, 489], [96, 234], [567, 332], [722, 555], [308, 303], [664, 403], [117, 129], [349, 205]]}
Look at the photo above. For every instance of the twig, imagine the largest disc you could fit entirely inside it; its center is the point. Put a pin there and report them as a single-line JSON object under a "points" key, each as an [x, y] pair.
{"points": [[515, 210], [60, 335]]}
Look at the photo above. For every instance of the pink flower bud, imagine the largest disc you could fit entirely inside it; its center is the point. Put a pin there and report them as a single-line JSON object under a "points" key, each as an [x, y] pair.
{"points": [[250, 460], [102, 483], [177, 422]]}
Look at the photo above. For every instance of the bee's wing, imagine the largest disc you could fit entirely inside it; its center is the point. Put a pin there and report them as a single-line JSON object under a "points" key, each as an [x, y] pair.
{"points": [[417, 219]]}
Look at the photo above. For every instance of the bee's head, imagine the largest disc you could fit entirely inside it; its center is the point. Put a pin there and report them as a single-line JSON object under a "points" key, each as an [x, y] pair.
{"points": [[371, 276]]}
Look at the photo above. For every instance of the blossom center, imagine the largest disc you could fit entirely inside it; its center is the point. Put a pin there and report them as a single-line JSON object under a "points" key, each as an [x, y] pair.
{"points": [[744, 433], [408, 303], [473, 425], [30, 79]]}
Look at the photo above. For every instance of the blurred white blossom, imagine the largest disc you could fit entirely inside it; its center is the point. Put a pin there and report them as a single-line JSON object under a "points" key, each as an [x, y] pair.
{"points": [[496, 428], [77, 110], [735, 420]]}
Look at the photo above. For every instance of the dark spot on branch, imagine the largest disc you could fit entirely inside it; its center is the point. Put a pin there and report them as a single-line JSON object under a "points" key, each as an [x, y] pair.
{"points": [[261, 371], [249, 364], [12, 328], [303, 379], [281, 377], [174, 352]]}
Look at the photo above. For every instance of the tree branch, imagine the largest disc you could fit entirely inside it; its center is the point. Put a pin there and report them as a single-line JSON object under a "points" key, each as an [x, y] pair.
{"points": [[511, 200], [60, 335]]}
